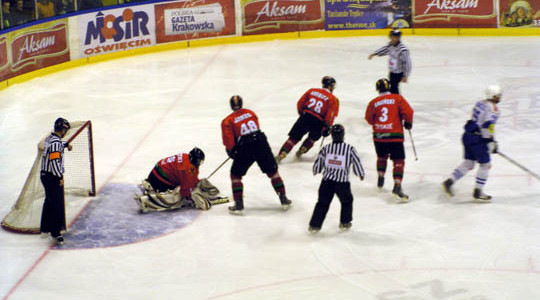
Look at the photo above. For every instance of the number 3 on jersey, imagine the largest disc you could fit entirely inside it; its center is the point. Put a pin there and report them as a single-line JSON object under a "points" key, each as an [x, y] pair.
{"points": [[315, 105], [384, 116], [248, 127]]}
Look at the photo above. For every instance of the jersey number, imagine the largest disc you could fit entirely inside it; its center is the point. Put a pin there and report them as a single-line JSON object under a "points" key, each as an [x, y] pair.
{"points": [[315, 105], [384, 116], [248, 127]]}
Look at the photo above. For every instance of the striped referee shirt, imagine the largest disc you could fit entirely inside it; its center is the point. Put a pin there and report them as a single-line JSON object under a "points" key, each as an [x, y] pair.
{"points": [[335, 159], [52, 160], [399, 60]]}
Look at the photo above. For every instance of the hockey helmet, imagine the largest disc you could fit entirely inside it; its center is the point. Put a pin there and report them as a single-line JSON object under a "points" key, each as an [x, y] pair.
{"points": [[338, 133], [236, 102], [196, 157], [493, 91], [328, 82], [382, 85], [61, 124], [395, 32]]}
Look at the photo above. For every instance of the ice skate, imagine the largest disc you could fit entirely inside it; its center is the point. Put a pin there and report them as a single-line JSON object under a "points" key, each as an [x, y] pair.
{"points": [[280, 157], [59, 240], [380, 182], [345, 226], [285, 203], [479, 196], [301, 151], [237, 208], [396, 191], [447, 186], [313, 229]]}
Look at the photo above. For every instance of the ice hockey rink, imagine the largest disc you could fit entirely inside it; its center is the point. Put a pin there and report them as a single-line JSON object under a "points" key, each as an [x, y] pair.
{"points": [[148, 107]]}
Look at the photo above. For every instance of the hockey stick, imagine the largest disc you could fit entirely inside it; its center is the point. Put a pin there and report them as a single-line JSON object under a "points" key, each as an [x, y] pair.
{"points": [[322, 143], [219, 167], [412, 143], [220, 200], [519, 165]]}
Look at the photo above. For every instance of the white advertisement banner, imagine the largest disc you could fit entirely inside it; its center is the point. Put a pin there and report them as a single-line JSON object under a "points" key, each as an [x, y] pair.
{"points": [[117, 29], [204, 18]]}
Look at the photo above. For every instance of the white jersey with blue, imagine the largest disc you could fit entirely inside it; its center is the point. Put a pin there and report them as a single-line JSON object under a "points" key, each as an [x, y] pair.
{"points": [[485, 115]]}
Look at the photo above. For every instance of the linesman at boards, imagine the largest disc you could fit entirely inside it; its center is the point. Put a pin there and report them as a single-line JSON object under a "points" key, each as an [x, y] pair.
{"points": [[53, 216], [399, 60], [335, 160]]}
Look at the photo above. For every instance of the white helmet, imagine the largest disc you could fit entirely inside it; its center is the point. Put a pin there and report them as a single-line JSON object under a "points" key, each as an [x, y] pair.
{"points": [[492, 91]]}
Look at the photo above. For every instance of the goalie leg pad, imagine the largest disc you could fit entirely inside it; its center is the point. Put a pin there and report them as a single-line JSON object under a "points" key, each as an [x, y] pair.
{"points": [[200, 200]]}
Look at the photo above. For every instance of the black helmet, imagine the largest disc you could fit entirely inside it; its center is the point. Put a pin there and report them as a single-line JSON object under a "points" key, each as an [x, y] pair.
{"points": [[395, 32], [338, 133], [196, 156], [328, 81], [61, 124], [236, 102], [382, 85]]}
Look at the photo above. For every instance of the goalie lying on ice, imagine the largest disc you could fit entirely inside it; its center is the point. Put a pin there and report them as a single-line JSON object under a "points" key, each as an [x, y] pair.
{"points": [[174, 183]]}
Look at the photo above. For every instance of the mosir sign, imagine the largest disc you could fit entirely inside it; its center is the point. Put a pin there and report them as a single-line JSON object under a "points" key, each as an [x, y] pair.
{"points": [[282, 16], [454, 13]]}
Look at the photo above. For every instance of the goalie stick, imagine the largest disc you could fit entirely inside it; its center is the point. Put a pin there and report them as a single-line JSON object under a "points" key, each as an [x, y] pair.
{"points": [[220, 200], [515, 163]]}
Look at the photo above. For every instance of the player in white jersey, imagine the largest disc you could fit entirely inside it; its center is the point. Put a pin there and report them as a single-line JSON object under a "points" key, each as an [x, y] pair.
{"points": [[479, 141]]}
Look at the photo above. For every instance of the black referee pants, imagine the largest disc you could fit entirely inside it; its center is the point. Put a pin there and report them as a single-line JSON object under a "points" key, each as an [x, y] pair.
{"points": [[395, 79], [53, 215], [326, 193]]}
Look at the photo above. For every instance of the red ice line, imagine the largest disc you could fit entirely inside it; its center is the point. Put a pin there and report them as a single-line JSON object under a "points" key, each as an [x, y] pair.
{"points": [[167, 111]]}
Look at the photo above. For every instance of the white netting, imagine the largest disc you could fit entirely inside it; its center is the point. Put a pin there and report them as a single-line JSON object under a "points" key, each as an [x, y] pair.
{"points": [[25, 215]]}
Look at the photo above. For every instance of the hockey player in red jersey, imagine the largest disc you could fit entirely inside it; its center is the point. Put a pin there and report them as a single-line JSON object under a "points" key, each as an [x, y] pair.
{"points": [[245, 143], [174, 183], [388, 114], [317, 108]]}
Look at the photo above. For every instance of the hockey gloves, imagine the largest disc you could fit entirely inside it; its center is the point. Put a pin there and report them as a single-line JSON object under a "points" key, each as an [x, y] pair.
{"points": [[407, 125], [325, 131], [231, 153], [493, 147]]}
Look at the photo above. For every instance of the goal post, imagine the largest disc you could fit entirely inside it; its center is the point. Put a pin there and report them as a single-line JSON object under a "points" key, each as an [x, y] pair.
{"points": [[79, 179]]}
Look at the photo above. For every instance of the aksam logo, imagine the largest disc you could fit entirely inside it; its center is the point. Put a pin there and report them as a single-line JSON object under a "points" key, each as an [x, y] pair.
{"points": [[126, 26]]}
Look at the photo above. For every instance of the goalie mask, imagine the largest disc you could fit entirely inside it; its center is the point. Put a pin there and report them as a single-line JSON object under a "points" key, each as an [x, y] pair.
{"points": [[196, 157]]}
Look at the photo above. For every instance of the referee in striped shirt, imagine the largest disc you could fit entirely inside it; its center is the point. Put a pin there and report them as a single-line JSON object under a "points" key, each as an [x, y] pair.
{"points": [[335, 159], [399, 60], [53, 217]]}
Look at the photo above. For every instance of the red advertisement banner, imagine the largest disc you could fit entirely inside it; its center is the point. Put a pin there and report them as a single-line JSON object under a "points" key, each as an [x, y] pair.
{"points": [[187, 20], [4, 62], [455, 13], [273, 16], [33, 48], [519, 13]]}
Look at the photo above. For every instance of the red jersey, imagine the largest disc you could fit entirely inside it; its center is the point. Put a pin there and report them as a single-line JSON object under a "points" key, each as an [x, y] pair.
{"points": [[321, 103], [386, 114], [177, 170], [238, 123]]}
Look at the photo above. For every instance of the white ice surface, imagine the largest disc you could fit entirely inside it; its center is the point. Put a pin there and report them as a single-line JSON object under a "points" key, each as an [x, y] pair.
{"points": [[147, 107]]}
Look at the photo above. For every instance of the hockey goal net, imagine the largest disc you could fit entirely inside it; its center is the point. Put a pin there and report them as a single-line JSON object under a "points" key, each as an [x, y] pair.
{"points": [[25, 215]]}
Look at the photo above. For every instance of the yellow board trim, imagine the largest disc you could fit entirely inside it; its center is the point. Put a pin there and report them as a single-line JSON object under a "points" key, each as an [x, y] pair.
{"points": [[498, 32]]}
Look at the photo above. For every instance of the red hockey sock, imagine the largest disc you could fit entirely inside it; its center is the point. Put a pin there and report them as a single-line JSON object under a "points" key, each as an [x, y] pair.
{"points": [[308, 143], [399, 167], [277, 183], [381, 165], [237, 188], [289, 144]]}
